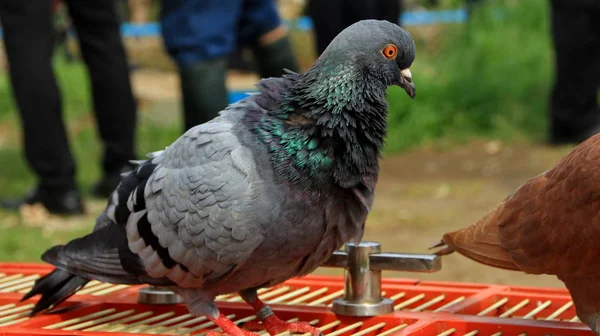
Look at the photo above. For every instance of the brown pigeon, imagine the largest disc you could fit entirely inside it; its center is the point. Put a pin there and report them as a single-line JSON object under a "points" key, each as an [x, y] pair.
{"points": [[549, 225]]}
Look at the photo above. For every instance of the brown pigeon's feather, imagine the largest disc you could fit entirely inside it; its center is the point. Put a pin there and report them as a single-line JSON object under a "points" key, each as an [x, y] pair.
{"points": [[481, 243], [549, 225]]}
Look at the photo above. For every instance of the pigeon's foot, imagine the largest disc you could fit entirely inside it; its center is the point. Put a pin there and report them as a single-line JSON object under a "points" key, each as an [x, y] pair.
{"points": [[239, 332], [269, 321], [274, 325], [228, 327]]}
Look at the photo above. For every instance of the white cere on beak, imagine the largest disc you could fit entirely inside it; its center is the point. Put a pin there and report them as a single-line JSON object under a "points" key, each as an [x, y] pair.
{"points": [[406, 73]]}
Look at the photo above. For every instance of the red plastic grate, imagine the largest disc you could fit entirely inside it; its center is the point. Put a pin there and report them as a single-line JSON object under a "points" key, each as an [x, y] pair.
{"points": [[421, 308]]}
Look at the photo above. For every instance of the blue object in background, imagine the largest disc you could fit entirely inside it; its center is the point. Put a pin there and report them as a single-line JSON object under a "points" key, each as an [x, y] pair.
{"points": [[140, 30], [428, 17], [305, 23], [235, 96], [407, 18]]}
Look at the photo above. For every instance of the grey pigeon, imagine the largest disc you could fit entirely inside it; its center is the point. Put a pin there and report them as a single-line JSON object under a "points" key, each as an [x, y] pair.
{"points": [[264, 192]]}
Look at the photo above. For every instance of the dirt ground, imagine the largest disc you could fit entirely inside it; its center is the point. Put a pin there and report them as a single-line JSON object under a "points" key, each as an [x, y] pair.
{"points": [[425, 193], [422, 193]]}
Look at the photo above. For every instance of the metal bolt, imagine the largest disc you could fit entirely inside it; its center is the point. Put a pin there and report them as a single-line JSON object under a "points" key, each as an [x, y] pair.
{"points": [[363, 264], [362, 285], [157, 295]]}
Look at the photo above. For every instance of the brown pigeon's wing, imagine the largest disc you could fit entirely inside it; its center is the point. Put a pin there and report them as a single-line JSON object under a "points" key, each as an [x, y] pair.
{"points": [[480, 242], [551, 224]]}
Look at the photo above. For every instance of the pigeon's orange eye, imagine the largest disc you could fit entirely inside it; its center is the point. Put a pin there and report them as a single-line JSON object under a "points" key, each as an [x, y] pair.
{"points": [[390, 51]]}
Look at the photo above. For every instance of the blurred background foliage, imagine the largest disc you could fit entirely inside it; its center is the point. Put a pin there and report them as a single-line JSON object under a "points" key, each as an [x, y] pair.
{"points": [[486, 79]]}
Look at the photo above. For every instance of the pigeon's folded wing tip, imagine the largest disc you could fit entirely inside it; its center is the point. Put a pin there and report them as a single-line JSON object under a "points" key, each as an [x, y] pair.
{"points": [[444, 249]]}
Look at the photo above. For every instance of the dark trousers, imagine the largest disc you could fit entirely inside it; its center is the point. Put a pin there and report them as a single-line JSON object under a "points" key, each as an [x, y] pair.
{"points": [[28, 38], [574, 101], [330, 17]]}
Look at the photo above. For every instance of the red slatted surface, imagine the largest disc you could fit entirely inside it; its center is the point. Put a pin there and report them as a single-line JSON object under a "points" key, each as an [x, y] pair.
{"points": [[421, 308]]}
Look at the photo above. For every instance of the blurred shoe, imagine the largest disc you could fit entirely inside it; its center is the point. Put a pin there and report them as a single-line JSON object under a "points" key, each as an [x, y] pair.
{"points": [[109, 182], [56, 202]]}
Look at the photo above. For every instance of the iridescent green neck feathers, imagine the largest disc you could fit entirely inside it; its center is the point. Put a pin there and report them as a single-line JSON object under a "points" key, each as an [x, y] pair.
{"points": [[327, 127]]}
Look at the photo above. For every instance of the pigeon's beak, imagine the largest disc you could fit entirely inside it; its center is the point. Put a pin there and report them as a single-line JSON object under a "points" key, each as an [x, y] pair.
{"points": [[406, 82]]}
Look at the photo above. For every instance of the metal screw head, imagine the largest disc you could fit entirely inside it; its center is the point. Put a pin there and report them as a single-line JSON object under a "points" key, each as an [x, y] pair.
{"points": [[156, 295], [368, 246]]}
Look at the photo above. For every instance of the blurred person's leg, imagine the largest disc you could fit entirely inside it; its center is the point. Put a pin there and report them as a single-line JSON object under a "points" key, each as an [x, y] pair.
{"points": [[27, 27], [200, 35], [330, 17], [98, 32], [390, 10], [261, 28], [327, 18], [238, 61], [204, 91], [356, 10], [574, 110]]}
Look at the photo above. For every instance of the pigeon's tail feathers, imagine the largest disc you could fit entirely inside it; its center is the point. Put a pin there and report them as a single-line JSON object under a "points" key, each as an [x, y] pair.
{"points": [[75, 265], [106, 266], [102, 255], [55, 288], [479, 242]]}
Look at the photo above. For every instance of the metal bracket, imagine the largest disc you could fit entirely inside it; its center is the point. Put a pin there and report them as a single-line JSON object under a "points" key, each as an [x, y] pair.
{"points": [[363, 264]]}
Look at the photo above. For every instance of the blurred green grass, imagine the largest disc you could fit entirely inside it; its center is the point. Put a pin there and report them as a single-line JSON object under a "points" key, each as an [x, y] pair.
{"points": [[487, 79], [490, 78]]}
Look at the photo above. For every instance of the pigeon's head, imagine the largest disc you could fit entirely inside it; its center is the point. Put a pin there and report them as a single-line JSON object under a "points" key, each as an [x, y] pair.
{"points": [[380, 49]]}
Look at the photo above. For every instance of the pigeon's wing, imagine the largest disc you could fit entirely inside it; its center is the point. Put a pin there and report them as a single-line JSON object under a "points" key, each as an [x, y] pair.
{"points": [[200, 215], [551, 224], [480, 242]]}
